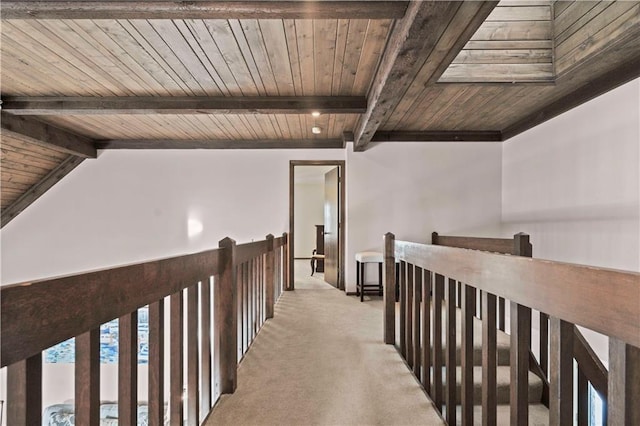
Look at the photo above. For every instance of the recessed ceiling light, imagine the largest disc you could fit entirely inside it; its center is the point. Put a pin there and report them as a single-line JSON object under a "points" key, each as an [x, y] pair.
{"points": [[316, 130], [315, 114]]}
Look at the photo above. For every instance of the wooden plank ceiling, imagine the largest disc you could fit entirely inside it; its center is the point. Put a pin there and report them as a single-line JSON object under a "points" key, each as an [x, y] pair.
{"points": [[82, 75]]}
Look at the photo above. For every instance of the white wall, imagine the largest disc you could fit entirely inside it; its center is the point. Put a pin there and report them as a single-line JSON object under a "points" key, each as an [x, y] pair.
{"points": [[130, 206], [308, 211], [573, 184], [413, 189]]}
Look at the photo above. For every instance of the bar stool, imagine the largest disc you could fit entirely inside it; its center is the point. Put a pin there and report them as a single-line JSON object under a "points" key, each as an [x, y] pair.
{"points": [[362, 258]]}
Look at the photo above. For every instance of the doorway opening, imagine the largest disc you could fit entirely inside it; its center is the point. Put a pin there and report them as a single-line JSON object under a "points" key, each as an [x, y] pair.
{"points": [[317, 190]]}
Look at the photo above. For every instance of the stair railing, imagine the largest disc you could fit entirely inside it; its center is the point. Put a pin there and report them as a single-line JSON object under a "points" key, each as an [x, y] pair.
{"points": [[606, 301], [246, 281]]}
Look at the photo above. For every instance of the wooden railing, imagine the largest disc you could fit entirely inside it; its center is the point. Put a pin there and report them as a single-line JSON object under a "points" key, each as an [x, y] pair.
{"points": [[606, 301], [245, 280]]}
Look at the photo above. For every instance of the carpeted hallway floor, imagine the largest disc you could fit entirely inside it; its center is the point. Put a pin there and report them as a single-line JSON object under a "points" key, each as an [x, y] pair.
{"points": [[321, 361]]}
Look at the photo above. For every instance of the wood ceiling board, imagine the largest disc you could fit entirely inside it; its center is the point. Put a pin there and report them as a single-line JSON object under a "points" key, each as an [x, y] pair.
{"points": [[450, 136], [17, 205], [618, 22], [183, 105], [521, 13], [192, 57], [202, 9], [576, 15], [459, 29], [498, 73], [408, 48], [218, 126]]}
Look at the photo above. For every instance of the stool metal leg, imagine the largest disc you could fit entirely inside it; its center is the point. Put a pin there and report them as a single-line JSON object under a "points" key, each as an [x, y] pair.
{"points": [[362, 281], [357, 278], [379, 279]]}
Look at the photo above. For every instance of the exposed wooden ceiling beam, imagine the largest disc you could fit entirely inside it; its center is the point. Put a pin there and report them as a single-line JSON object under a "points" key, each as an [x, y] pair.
{"points": [[184, 105], [39, 188], [594, 88], [200, 9], [219, 144], [415, 40], [438, 136], [34, 131]]}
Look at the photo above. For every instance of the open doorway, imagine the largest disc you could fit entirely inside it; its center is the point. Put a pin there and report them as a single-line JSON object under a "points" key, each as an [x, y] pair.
{"points": [[316, 219]]}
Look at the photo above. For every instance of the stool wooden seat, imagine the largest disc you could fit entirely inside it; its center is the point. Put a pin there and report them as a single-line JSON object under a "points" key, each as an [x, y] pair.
{"points": [[314, 258], [362, 258]]}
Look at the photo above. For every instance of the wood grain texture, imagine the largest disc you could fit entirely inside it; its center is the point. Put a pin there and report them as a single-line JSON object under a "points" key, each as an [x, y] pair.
{"points": [[432, 136], [25, 199], [417, 322], [410, 285], [183, 105], [270, 279], [450, 351], [561, 372], [226, 305], [403, 308], [489, 359], [520, 343], [495, 245], [389, 293], [24, 391], [87, 380], [624, 383], [466, 353], [205, 344], [193, 352], [426, 332], [607, 298], [437, 391], [220, 144], [176, 359], [119, 290], [156, 363], [202, 10], [36, 132], [128, 368], [409, 46]]}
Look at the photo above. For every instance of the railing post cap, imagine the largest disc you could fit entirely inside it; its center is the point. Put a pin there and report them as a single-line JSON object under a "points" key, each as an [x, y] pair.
{"points": [[226, 242], [269, 236], [389, 235]]}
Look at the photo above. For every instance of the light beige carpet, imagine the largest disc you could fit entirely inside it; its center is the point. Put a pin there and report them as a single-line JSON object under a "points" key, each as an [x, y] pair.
{"points": [[321, 361]]}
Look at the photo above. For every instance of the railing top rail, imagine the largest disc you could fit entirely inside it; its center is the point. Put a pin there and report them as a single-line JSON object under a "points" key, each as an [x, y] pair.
{"points": [[496, 245], [37, 315], [604, 300]]}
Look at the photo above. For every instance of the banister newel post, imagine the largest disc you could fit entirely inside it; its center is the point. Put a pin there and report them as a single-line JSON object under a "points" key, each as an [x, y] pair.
{"points": [[227, 316], [270, 277], [389, 289], [624, 384], [287, 270]]}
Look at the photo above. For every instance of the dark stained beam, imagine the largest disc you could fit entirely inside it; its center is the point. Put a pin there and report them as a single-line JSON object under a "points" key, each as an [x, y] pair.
{"points": [[418, 39], [199, 9], [594, 88], [220, 144], [438, 136], [38, 189], [184, 105], [36, 132]]}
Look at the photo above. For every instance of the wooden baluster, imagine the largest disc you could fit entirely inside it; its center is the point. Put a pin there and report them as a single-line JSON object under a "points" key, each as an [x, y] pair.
{"points": [[624, 384], [459, 295], [583, 398], [176, 360], [245, 308], [409, 313], [270, 281], [417, 296], [128, 368], [205, 327], [156, 363], [87, 390], [438, 297], [466, 353], [501, 314], [389, 293], [259, 277], [24, 391], [561, 373], [403, 309], [544, 343], [489, 358], [254, 296], [240, 312], [426, 332], [217, 330], [287, 273], [450, 349], [250, 299], [226, 317], [193, 375], [519, 361]]}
